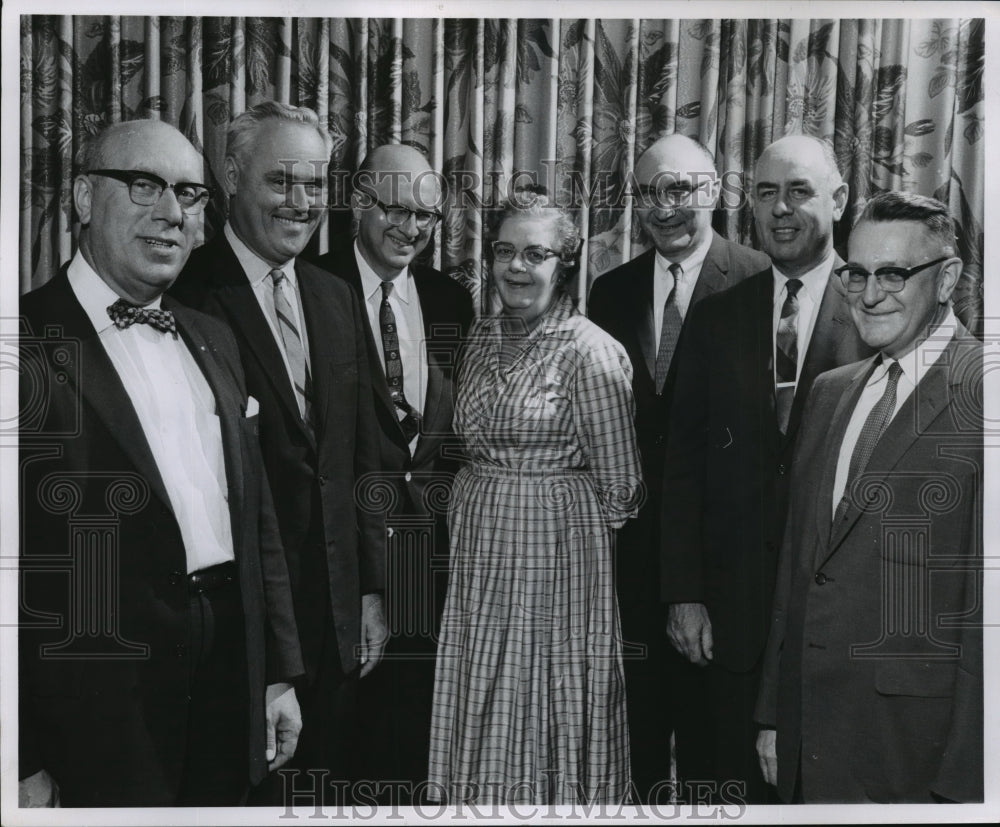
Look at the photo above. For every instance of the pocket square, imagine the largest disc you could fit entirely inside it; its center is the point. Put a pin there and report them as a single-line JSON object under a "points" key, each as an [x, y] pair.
{"points": [[253, 407]]}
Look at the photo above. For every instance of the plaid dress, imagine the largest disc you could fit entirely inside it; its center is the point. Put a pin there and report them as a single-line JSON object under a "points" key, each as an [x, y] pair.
{"points": [[529, 696]]}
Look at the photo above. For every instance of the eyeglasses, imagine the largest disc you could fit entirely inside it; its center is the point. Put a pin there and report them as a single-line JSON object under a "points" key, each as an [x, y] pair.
{"points": [[397, 214], [146, 189], [674, 195], [889, 279], [533, 255]]}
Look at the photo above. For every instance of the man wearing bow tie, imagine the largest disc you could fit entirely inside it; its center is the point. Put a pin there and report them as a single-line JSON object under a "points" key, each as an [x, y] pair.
{"points": [[301, 336], [157, 637]]}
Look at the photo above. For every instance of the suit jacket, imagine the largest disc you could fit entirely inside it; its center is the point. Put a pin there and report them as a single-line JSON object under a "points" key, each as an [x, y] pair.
{"points": [[621, 302], [446, 306], [873, 669], [334, 545], [104, 708], [725, 485]]}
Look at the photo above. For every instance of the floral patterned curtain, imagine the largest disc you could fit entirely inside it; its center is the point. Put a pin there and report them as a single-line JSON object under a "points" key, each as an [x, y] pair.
{"points": [[564, 104]]}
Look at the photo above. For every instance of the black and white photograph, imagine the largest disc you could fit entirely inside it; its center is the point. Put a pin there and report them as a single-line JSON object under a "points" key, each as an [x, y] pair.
{"points": [[479, 414]]}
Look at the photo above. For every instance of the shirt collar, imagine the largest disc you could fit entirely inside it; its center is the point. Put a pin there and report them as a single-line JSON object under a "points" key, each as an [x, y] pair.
{"points": [[917, 361], [692, 263], [371, 282], [255, 268], [814, 281], [94, 294]]}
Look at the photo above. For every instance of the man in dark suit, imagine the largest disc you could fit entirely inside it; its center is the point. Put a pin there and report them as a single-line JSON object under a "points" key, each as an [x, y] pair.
{"points": [[302, 343], [746, 362], [873, 671], [157, 634], [416, 318], [643, 304]]}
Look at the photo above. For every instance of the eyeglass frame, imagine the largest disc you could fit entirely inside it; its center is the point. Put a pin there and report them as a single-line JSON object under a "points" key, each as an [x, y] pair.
{"points": [[130, 176], [648, 197], [547, 252], [430, 223], [903, 273]]}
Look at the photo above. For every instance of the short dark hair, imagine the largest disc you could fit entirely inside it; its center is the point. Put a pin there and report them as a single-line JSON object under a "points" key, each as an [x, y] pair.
{"points": [[921, 209]]}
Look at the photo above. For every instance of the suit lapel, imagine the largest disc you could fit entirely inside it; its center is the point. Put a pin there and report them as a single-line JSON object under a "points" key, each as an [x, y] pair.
{"points": [[436, 414], [642, 311], [238, 302], [318, 311], [102, 387], [228, 406], [832, 322], [714, 272]]}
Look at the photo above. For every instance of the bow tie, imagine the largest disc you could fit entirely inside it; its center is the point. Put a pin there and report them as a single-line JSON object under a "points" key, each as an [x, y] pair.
{"points": [[125, 314]]}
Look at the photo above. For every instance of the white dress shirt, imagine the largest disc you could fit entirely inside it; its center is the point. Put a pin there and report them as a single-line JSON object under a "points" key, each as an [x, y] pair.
{"points": [[663, 283], [915, 365], [258, 273], [405, 304], [810, 297], [177, 411]]}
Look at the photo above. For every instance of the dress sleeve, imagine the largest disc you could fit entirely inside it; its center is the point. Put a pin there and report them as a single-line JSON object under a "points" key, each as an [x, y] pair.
{"points": [[604, 411]]}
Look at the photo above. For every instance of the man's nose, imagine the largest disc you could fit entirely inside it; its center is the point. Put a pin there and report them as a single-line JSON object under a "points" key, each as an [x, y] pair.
{"points": [[168, 208], [297, 197], [873, 293], [780, 205]]}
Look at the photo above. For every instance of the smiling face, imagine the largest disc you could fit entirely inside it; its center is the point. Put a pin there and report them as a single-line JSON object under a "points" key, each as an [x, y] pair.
{"points": [[676, 164], [893, 322], [400, 176], [138, 251], [526, 291], [795, 204], [277, 191]]}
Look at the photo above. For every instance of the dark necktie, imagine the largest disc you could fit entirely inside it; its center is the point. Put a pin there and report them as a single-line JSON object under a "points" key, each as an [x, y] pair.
{"points": [[125, 314], [294, 351], [670, 330], [409, 419], [875, 425], [786, 354]]}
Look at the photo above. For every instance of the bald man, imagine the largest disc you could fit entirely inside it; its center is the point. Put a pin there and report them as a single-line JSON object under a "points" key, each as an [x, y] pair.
{"points": [[148, 533], [303, 344], [745, 366], [643, 304], [416, 318]]}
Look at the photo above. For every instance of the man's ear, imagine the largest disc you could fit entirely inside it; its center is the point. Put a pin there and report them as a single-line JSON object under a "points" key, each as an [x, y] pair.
{"points": [[840, 201], [230, 175], [950, 274], [83, 193]]}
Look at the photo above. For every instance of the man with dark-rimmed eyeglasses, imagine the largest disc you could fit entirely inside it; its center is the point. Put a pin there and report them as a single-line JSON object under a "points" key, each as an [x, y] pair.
{"points": [[416, 318], [166, 676], [873, 668]]}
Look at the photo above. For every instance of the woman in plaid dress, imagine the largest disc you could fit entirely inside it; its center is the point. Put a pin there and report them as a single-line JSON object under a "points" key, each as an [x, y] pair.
{"points": [[529, 698]]}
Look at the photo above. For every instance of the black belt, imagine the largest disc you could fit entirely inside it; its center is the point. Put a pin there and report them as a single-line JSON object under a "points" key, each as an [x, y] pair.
{"points": [[214, 577]]}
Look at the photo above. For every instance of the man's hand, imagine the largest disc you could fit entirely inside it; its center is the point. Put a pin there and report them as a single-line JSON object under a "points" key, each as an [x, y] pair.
{"points": [[284, 723], [38, 790], [374, 632], [690, 631], [767, 754]]}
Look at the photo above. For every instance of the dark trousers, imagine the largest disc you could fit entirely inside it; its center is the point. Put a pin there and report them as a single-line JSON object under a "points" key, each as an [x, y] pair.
{"points": [[736, 768], [216, 771]]}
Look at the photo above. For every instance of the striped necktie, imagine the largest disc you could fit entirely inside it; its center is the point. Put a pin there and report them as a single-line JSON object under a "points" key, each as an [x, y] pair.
{"points": [[786, 354], [292, 340], [670, 330]]}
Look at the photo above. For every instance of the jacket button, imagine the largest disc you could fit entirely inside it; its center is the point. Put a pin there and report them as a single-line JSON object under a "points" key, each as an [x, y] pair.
{"points": [[820, 578], [180, 650], [660, 441], [781, 470], [408, 476], [322, 479], [175, 578]]}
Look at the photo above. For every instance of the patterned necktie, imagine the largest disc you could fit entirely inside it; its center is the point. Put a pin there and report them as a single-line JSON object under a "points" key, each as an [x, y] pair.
{"points": [[786, 354], [294, 351], [125, 314], [670, 330], [875, 425], [409, 419]]}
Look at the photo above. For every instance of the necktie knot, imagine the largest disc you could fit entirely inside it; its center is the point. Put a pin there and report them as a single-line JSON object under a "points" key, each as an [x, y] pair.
{"points": [[895, 371], [125, 314], [793, 286], [277, 276], [386, 289]]}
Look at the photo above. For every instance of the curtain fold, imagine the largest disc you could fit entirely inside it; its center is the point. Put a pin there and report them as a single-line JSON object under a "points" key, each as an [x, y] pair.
{"points": [[566, 105]]}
